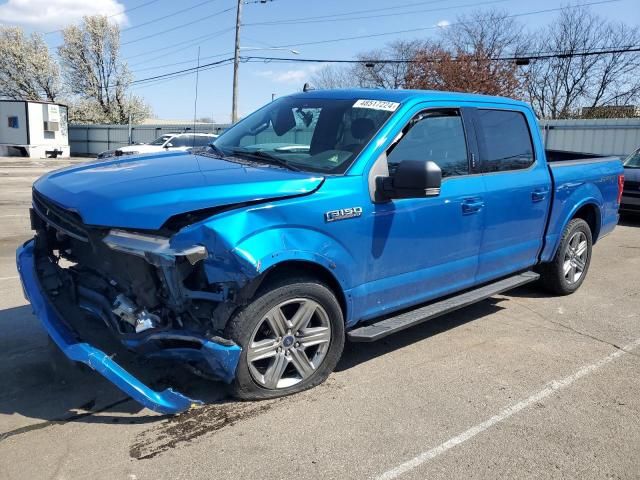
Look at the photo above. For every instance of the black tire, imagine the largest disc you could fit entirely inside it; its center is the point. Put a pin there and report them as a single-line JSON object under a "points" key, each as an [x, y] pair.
{"points": [[243, 325], [552, 276]]}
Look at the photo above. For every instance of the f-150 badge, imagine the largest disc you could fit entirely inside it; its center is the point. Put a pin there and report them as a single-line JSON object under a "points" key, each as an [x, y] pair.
{"points": [[342, 214]]}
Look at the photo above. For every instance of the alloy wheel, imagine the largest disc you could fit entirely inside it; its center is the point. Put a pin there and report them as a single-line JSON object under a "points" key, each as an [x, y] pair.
{"points": [[289, 343], [575, 257]]}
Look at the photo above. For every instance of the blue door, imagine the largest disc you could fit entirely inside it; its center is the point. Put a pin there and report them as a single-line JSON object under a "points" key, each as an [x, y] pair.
{"points": [[423, 248], [518, 193]]}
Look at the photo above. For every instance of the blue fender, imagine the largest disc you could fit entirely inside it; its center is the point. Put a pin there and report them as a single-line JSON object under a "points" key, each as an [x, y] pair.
{"points": [[268, 248], [569, 198]]}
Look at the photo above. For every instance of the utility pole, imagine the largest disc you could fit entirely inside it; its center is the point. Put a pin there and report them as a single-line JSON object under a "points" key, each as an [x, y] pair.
{"points": [[195, 100], [236, 65]]}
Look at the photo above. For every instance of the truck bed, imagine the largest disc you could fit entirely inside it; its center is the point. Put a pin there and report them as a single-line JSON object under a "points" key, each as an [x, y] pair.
{"points": [[556, 156]]}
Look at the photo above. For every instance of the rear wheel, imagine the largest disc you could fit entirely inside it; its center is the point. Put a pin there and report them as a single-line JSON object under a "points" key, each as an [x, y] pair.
{"points": [[568, 269], [292, 336]]}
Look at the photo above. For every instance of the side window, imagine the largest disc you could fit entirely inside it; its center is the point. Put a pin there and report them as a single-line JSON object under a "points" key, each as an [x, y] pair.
{"points": [[202, 141], [182, 141], [437, 136], [504, 140]]}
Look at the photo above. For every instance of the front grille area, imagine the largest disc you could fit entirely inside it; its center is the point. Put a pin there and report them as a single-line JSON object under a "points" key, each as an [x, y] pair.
{"points": [[61, 219]]}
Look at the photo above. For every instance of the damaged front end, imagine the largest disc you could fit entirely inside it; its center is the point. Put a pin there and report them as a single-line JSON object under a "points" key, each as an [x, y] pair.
{"points": [[154, 298]]}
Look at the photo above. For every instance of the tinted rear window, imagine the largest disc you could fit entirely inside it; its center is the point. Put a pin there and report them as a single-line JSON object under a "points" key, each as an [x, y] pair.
{"points": [[504, 140]]}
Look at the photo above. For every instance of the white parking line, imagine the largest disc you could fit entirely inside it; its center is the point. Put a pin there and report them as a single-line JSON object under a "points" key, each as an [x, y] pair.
{"points": [[549, 390], [9, 278]]}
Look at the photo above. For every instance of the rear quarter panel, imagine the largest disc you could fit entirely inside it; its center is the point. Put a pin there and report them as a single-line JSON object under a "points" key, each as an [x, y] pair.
{"points": [[576, 184]]}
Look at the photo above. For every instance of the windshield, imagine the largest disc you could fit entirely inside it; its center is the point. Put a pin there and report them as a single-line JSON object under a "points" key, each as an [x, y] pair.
{"points": [[318, 135], [633, 160], [161, 140]]}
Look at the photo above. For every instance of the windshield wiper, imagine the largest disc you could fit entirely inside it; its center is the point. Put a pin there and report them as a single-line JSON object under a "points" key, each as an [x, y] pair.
{"points": [[217, 150], [265, 157]]}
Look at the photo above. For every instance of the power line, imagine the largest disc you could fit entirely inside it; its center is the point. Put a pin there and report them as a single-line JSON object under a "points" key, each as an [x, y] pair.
{"points": [[395, 14], [514, 58], [353, 12], [177, 27], [420, 29], [181, 63], [172, 14], [168, 79], [537, 56], [115, 14], [184, 44], [534, 56], [183, 71]]}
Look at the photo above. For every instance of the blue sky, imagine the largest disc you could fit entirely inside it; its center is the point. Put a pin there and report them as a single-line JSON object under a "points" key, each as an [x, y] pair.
{"points": [[151, 50]]}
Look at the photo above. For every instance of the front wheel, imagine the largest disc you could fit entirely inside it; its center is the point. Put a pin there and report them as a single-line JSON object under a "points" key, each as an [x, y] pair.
{"points": [[568, 269], [292, 336]]}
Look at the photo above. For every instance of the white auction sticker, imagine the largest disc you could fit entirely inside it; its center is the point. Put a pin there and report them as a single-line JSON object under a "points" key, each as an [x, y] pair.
{"points": [[377, 105]]}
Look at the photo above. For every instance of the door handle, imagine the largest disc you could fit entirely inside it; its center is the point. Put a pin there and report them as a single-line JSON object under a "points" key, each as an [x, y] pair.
{"points": [[472, 205], [539, 195]]}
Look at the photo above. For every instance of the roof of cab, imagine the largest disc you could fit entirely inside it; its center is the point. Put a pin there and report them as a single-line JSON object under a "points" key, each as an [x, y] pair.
{"points": [[402, 96]]}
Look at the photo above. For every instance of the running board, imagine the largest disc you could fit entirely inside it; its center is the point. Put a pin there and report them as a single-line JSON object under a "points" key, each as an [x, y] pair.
{"points": [[378, 330]]}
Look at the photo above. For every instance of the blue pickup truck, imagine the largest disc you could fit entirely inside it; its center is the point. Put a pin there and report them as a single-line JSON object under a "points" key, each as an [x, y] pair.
{"points": [[323, 216]]}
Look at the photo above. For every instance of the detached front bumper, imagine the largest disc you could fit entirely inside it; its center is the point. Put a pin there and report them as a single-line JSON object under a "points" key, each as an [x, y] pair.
{"points": [[167, 401]]}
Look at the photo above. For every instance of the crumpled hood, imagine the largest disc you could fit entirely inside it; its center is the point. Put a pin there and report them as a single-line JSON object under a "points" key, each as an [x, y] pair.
{"points": [[142, 192]]}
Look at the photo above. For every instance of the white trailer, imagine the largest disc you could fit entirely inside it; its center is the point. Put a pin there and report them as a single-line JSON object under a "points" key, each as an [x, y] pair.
{"points": [[33, 129]]}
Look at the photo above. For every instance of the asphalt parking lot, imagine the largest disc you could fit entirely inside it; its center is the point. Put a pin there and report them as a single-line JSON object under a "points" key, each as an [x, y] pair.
{"points": [[520, 386]]}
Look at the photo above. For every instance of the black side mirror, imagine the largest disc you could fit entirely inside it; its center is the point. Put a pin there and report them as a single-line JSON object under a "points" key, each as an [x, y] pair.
{"points": [[168, 145], [412, 179]]}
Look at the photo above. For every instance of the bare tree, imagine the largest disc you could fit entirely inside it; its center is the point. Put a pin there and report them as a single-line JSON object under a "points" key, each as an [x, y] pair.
{"points": [[490, 33], [27, 71], [334, 76], [371, 72], [561, 87], [372, 69], [95, 75]]}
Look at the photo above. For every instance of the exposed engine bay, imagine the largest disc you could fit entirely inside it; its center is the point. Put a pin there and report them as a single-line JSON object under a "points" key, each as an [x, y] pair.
{"points": [[151, 297]]}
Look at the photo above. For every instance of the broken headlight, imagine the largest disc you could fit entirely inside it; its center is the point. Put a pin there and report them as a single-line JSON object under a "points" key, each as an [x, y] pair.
{"points": [[144, 244]]}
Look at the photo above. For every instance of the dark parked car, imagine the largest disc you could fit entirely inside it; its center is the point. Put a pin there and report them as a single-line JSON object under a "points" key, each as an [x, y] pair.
{"points": [[631, 194]]}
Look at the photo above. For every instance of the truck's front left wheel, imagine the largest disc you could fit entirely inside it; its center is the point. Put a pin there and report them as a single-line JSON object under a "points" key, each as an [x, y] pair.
{"points": [[292, 336]]}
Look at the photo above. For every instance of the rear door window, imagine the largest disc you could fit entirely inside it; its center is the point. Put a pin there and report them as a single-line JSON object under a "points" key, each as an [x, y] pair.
{"points": [[182, 141], [504, 140]]}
